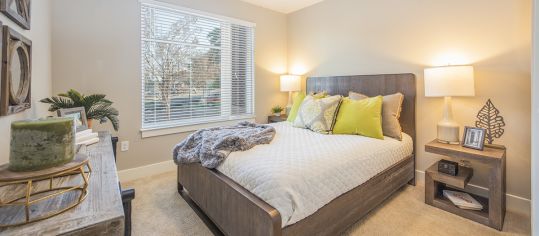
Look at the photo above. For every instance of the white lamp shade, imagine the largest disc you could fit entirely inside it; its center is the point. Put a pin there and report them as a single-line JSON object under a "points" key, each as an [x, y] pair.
{"points": [[290, 83], [449, 81]]}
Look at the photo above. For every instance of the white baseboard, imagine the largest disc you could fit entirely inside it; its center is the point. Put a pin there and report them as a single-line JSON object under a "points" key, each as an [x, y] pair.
{"points": [[145, 171], [513, 203]]}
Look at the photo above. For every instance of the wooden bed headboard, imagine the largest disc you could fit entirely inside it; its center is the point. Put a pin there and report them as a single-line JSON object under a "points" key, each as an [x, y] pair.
{"points": [[373, 85]]}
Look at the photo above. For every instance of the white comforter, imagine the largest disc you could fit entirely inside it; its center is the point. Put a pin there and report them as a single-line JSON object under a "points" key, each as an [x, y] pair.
{"points": [[301, 171]]}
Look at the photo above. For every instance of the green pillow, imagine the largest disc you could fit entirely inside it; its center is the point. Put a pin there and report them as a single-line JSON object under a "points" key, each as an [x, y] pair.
{"points": [[363, 117], [298, 99]]}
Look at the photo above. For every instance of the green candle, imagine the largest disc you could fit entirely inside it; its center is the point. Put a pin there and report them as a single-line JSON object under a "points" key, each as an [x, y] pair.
{"points": [[40, 144]]}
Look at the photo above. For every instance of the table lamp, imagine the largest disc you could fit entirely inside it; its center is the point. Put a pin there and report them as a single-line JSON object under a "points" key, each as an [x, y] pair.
{"points": [[290, 83], [447, 82]]}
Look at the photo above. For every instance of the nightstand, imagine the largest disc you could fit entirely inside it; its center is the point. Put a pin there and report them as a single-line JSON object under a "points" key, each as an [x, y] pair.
{"points": [[275, 119], [493, 212]]}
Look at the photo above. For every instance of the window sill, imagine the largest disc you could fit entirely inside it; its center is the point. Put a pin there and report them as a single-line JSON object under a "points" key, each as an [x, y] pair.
{"points": [[154, 132]]}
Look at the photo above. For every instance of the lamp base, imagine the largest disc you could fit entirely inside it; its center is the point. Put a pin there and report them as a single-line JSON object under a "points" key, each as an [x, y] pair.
{"points": [[448, 133], [446, 142], [448, 129], [290, 102]]}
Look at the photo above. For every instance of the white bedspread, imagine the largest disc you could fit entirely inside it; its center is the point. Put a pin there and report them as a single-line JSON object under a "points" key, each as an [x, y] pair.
{"points": [[301, 171]]}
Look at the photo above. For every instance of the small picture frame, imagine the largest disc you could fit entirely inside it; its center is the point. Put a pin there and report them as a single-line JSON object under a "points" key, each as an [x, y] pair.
{"points": [[473, 138], [77, 113]]}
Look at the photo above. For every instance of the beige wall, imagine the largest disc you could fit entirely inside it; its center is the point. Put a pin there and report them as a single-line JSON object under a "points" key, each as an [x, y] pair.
{"points": [[97, 50], [41, 69], [535, 121], [347, 37]]}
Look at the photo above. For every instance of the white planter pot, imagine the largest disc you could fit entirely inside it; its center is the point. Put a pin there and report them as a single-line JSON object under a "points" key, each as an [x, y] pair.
{"points": [[276, 114]]}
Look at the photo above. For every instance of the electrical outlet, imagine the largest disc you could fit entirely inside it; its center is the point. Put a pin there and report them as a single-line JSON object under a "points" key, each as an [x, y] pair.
{"points": [[124, 146]]}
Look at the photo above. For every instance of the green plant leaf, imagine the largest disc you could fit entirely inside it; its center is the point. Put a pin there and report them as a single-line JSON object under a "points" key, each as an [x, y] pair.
{"points": [[277, 109], [75, 96], [58, 103], [96, 106]]}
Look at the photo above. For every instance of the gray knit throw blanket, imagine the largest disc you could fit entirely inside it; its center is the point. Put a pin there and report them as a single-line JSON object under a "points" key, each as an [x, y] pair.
{"points": [[211, 146]]}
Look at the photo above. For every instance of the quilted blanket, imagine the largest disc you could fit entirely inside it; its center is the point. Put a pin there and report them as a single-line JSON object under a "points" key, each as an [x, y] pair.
{"points": [[301, 171], [211, 146]]}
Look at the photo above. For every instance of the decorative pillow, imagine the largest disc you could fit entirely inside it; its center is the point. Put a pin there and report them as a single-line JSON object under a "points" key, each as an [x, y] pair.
{"points": [[318, 115], [356, 96], [320, 94], [391, 111], [298, 99], [363, 117]]}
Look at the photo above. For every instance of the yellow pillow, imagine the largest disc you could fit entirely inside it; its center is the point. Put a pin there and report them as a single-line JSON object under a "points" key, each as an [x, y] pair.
{"points": [[363, 117], [298, 99]]}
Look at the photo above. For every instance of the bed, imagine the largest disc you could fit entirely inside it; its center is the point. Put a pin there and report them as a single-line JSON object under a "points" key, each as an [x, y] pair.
{"points": [[238, 197]]}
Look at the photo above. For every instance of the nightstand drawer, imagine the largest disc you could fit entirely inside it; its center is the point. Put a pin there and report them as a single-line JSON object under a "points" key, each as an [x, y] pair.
{"points": [[275, 119]]}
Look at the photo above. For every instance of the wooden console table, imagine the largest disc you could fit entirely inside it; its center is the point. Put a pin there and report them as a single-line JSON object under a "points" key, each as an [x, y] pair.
{"points": [[493, 212], [101, 213]]}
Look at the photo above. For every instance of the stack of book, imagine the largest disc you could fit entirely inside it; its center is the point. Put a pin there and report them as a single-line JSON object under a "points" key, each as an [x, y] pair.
{"points": [[463, 200], [86, 137]]}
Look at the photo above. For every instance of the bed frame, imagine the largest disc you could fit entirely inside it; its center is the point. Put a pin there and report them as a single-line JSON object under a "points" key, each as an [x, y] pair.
{"points": [[228, 208]]}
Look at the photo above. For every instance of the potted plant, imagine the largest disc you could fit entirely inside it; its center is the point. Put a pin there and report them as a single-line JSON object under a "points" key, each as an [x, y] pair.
{"points": [[96, 106], [276, 110]]}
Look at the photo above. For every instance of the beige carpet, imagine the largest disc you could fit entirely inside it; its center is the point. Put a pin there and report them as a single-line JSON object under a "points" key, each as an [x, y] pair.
{"points": [[159, 210]]}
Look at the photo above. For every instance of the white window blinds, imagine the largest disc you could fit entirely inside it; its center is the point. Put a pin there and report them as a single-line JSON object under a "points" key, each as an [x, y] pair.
{"points": [[196, 68]]}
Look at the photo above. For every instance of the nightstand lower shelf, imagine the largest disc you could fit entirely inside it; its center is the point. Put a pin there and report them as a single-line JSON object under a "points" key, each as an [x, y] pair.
{"points": [[445, 204], [435, 182]]}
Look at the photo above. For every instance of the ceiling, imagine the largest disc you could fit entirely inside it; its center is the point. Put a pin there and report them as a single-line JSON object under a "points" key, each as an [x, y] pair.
{"points": [[284, 6]]}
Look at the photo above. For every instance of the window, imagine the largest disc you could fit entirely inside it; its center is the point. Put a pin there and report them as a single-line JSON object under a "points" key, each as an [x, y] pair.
{"points": [[196, 67]]}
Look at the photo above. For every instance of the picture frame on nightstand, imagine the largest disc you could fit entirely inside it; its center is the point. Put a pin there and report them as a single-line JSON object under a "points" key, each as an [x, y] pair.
{"points": [[474, 138]]}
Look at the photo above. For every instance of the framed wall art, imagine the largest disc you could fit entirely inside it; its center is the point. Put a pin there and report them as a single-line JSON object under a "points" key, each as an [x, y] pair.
{"points": [[18, 11], [16, 72]]}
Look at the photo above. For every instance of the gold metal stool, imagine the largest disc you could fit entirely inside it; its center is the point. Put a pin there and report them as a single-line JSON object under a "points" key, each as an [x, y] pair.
{"points": [[24, 193]]}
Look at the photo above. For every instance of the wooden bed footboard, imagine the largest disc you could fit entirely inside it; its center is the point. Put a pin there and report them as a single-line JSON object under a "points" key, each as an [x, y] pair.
{"points": [[345, 210], [236, 211], [232, 208]]}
